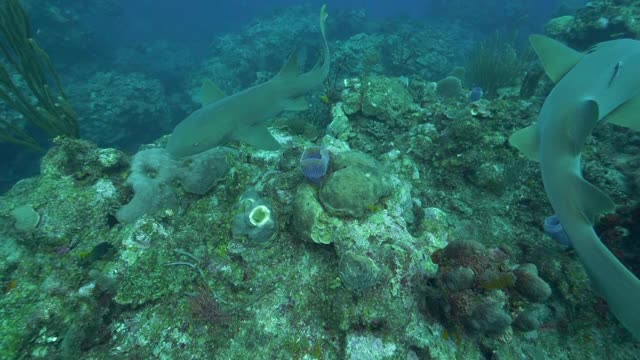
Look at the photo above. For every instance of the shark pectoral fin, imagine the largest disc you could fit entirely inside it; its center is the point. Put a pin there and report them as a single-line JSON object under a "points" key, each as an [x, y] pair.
{"points": [[626, 114], [210, 93], [257, 136], [526, 140], [593, 201], [557, 58], [296, 104]]}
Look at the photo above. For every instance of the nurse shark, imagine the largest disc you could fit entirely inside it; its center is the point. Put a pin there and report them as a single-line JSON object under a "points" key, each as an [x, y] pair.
{"points": [[242, 116], [598, 86]]}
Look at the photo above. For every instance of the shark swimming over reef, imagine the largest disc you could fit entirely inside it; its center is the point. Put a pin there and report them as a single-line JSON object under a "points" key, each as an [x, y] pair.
{"points": [[242, 116], [601, 85]]}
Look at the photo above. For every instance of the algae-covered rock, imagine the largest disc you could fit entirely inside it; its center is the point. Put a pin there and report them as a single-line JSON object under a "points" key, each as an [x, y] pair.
{"points": [[82, 160], [597, 21], [358, 272], [154, 175], [532, 317], [530, 285], [138, 284], [113, 105], [480, 109], [489, 176], [558, 25], [309, 220], [489, 317], [367, 346], [478, 288], [203, 171], [386, 99], [423, 140], [339, 126], [458, 279], [26, 218]]}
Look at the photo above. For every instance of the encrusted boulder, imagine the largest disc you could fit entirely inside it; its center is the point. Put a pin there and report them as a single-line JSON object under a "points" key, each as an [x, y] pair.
{"points": [[310, 222]]}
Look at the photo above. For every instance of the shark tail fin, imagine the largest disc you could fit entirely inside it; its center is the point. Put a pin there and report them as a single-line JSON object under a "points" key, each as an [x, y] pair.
{"points": [[610, 279], [557, 58], [326, 59], [323, 19]]}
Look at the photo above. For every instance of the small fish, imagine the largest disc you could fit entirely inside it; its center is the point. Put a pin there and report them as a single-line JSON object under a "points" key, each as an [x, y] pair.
{"points": [[616, 72], [11, 285]]}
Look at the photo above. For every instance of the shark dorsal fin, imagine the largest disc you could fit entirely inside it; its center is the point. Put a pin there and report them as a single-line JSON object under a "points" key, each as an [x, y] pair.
{"points": [[290, 69], [210, 93], [557, 58]]}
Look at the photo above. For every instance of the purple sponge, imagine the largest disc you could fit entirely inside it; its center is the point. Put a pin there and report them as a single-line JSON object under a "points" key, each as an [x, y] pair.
{"points": [[314, 163]]}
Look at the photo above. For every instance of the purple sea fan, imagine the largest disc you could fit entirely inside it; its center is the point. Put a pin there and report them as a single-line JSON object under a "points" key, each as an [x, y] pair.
{"points": [[314, 163]]}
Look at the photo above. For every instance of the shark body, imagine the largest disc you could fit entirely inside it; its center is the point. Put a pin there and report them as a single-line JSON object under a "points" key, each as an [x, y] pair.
{"points": [[242, 116], [600, 85]]}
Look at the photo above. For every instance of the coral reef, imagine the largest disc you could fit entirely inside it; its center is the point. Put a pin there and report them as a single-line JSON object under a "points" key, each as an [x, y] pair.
{"points": [[154, 175], [116, 107], [23, 58], [256, 220], [598, 21], [422, 239], [69, 37]]}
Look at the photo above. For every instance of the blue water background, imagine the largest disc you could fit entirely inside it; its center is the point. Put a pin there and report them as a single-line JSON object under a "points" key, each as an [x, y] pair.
{"points": [[145, 20]]}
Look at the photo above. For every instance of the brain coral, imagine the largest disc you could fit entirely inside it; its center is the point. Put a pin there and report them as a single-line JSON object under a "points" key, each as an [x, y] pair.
{"points": [[350, 191]]}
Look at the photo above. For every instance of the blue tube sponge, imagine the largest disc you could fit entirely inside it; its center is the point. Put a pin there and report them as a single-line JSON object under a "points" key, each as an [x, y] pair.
{"points": [[554, 229], [314, 163]]}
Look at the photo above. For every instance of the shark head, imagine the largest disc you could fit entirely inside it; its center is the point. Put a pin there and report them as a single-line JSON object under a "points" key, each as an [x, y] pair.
{"points": [[601, 85]]}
